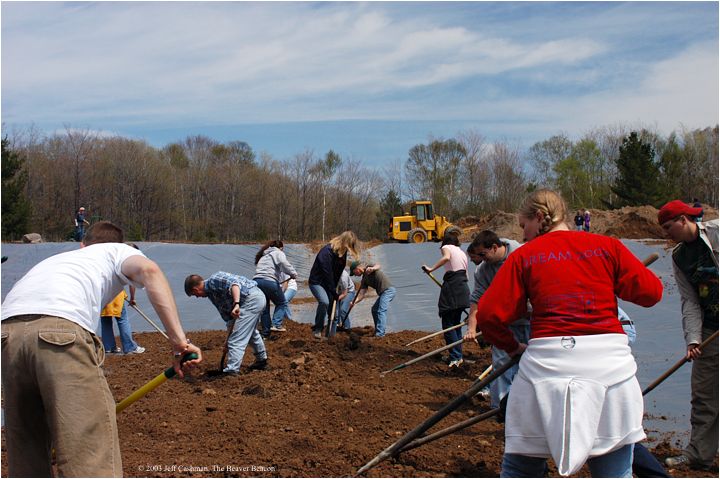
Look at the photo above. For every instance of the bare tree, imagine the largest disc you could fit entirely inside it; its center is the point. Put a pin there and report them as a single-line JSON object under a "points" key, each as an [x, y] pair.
{"points": [[325, 169], [507, 176], [476, 169], [350, 177], [302, 179], [433, 170], [394, 178], [80, 144], [544, 155]]}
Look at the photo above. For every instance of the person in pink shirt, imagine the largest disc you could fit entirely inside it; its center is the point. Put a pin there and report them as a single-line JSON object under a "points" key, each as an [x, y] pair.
{"points": [[454, 293]]}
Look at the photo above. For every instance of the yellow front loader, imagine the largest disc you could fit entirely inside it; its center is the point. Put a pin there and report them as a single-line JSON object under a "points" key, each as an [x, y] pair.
{"points": [[421, 225]]}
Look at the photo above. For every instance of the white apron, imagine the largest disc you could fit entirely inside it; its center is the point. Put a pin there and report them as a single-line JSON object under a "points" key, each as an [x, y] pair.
{"points": [[574, 397]]}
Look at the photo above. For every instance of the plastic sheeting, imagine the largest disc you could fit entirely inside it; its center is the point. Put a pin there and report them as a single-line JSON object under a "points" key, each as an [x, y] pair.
{"points": [[414, 306]]}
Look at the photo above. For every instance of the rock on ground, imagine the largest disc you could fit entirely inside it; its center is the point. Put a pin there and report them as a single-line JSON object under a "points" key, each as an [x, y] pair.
{"points": [[32, 238]]}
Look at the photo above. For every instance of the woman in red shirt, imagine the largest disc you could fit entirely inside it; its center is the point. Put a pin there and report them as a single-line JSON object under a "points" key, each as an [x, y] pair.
{"points": [[575, 397]]}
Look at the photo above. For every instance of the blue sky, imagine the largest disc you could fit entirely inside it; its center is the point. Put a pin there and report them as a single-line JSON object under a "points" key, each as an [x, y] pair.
{"points": [[369, 80]]}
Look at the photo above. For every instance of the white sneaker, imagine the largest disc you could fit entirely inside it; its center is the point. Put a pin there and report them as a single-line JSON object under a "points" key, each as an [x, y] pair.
{"points": [[676, 461], [455, 364], [317, 335], [280, 329], [138, 350], [484, 393]]}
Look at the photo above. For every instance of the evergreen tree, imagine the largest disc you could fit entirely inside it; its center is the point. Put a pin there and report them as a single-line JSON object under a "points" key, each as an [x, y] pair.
{"points": [[15, 206], [389, 206], [638, 180]]}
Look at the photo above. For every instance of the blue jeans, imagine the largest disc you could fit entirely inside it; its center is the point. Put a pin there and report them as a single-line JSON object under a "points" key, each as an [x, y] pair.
{"points": [[342, 314], [289, 295], [108, 337], [631, 333], [501, 386], [273, 292], [245, 331], [617, 463], [449, 319], [323, 307], [379, 310], [628, 328]]}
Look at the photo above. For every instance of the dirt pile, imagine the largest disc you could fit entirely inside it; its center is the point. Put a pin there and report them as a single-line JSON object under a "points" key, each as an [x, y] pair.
{"points": [[504, 224], [630, 222], [321, 409]]}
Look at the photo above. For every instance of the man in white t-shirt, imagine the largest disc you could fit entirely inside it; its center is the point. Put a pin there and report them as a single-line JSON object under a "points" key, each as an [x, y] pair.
{"points": [[55, 394]]}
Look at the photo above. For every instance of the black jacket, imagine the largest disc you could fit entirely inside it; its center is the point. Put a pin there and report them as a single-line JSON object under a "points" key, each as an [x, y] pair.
{"points": [[326, 270]]}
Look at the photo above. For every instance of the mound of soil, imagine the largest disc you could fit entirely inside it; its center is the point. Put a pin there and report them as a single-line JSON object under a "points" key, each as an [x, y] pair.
{"points": [[630, 222], [321, 409], [504, 224]]}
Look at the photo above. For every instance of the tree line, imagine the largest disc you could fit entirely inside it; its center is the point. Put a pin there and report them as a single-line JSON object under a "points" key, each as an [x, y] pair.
{"points": [[202, 190], [607, 168]]}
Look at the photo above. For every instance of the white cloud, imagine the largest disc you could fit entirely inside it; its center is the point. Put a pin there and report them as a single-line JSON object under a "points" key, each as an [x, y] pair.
{"points": [[167, 64], [682, 89], [241, 56]]}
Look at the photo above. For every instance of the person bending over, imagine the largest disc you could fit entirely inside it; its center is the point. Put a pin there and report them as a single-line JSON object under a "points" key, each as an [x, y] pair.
{"points": [[54, 391]]}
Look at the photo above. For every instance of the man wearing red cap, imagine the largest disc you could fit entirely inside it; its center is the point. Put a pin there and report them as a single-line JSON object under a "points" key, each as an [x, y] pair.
{"points": [[695, 265]]}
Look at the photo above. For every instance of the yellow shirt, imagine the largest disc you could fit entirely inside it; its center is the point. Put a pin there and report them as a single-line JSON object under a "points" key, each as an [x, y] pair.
{"points": [[114, 307]]}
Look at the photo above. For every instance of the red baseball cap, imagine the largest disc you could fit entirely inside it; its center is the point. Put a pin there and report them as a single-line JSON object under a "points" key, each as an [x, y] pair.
{"points": [[676, 208]]}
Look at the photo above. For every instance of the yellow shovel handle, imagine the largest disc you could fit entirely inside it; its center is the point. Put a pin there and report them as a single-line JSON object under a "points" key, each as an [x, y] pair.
{"points": [[152, 384], [157, 381], [432, 277]]}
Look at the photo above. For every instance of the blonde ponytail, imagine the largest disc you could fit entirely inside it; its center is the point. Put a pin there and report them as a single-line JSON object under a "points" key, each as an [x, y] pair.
{"points": [[547, 202]]}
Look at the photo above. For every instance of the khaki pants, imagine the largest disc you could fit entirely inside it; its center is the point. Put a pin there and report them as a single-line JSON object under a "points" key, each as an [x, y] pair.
{"points": [[704, 413], [56, 396]]}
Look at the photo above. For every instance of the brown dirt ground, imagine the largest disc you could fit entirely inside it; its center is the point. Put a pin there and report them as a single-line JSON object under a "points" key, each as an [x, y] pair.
{"points": [[321, 409], [629, 223]]}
